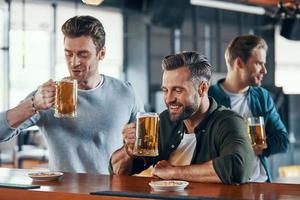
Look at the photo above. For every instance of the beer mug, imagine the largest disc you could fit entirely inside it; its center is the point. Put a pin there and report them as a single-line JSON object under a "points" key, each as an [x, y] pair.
{"points": [[256, 132], [146, 143], [66, 98]]}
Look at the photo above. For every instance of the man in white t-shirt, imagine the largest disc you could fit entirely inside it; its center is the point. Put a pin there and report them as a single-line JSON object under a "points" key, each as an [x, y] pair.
{"points": [[240, 90]]}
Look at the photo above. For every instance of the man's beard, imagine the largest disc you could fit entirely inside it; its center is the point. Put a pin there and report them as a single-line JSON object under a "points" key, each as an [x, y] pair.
{"points": [[187, 112]]}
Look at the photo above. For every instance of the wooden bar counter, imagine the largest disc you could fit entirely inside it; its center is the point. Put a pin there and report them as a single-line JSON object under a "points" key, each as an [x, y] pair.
{"points": [[79, 186]]}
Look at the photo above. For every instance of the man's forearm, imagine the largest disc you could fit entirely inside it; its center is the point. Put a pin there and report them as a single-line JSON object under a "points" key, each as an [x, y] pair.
{"points": [[121, 162], [197, 172], [16, 116]]}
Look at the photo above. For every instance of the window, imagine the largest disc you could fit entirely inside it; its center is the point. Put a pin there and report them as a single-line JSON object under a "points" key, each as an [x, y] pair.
{"points": [[112, 21], [2, 74], [1, 23], [287, 61], [29, 48], [36, 52]]}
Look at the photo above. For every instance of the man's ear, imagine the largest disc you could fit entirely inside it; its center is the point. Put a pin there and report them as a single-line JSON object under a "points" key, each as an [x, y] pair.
{"points": [[203, 88], [239, 63], [101, 53]]}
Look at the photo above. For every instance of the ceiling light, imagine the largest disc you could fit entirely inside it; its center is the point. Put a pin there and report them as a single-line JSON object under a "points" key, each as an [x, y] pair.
{"points": [[230, 6], [92, 2]]}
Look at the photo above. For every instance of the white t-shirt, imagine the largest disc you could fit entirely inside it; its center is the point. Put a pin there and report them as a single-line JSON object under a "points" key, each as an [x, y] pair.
{"points": [[184, 153], [240, 104]]}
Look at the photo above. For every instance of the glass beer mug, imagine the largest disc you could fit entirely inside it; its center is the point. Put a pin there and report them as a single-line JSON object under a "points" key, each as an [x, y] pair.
{"points": [[256, 132], [146, 143], [66, 98]]}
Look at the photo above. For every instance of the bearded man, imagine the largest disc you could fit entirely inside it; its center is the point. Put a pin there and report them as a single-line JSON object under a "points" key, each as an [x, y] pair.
{"points": [[198, 139]]}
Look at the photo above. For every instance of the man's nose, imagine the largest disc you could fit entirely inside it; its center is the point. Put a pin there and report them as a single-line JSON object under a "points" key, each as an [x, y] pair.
{"points": [[75, 61], [169, 98], [264, 69]]}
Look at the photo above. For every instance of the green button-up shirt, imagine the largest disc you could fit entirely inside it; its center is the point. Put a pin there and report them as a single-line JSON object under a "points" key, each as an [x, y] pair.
{"points": [[221, 137]]}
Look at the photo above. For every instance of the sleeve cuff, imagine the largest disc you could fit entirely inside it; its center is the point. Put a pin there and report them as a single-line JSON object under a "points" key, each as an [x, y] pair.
{"points": [[5, 128]]}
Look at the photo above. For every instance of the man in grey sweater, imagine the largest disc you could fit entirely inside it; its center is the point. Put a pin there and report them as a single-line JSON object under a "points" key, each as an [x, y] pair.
{"points": [[105, 105]]}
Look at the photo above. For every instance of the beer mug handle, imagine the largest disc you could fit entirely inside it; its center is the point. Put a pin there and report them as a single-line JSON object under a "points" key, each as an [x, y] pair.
{"points": [[157, 131], [55, 98], [158, 121]]}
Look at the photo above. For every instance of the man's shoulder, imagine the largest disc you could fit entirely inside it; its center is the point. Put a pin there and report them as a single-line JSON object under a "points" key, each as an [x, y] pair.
{"points": [[116, 83], [215, 90], [222, 114], [259, 92], [113, 80], [214, 87], [227, 119]]}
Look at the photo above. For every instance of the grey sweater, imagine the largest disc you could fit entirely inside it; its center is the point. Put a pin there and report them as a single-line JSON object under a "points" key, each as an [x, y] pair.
{"points": [[85, 143]]}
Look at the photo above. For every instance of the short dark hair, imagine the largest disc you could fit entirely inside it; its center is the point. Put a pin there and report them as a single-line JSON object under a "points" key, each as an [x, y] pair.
{"points": [[242, 46], [85, 26], [195, 62]]}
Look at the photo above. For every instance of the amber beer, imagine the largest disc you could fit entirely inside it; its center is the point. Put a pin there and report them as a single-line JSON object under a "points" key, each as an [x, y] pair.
{"points": [[66, 98], [256, 132], [146, 143]]}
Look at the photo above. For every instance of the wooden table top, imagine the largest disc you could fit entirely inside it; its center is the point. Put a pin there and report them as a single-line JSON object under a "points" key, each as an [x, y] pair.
{"points": [[78, 186]]}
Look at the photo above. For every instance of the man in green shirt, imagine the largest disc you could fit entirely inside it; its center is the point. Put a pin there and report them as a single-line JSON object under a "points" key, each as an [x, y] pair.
{"points": [[198, 139]]}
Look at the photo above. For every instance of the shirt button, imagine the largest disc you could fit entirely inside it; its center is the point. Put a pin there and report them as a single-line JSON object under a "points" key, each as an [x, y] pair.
{"points": [[172, 146], [203, 131], [179, 132]]}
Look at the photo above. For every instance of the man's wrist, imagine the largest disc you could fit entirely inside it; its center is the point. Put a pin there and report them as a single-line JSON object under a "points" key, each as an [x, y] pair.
{"points": [[33, 105], [131, 156], [175, 172], [127, 151]]}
